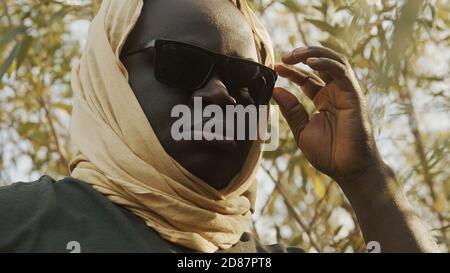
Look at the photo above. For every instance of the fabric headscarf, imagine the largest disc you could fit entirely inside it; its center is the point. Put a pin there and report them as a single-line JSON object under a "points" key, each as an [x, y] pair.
{"points": [[119, 154]]}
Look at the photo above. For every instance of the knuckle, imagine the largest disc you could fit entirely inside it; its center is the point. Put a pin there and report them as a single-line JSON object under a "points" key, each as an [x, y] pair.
{"points": [[348, 73], [343, 58]]}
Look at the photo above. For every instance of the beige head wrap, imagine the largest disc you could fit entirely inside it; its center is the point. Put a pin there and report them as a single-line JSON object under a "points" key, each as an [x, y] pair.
{"points": [[121, 157]]}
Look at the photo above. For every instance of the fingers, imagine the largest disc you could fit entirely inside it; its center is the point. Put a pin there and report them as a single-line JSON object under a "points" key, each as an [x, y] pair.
{"points": [[309, 82], [324, 76], [301, 54], [330, 65], [339, 72], [292, 110], [335, 69]]}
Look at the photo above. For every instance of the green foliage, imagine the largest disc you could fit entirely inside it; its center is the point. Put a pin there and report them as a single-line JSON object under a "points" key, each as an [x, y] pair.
{"points": [[399, 49], [37, 52], [388, 43]]}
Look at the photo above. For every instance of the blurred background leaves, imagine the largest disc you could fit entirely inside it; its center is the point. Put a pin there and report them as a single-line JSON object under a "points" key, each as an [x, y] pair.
{"points": [[399, 50]]}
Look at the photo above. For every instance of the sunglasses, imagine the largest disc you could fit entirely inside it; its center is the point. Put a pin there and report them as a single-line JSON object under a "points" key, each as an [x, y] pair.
{"points": [[188, 67]]}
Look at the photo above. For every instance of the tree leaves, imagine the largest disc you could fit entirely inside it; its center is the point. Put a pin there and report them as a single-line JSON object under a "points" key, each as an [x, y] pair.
{"points": [[384, 41], [317, 182], [324, 26], [36, 52], [8, 62], [11, 34]]}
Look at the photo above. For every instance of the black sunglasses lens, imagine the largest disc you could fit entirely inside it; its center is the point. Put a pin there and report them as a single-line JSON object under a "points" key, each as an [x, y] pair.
{"points": [[257, 79], [181, 66]]}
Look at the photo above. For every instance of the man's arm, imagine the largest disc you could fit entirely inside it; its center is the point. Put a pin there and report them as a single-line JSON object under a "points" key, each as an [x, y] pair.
{"points": [[338, 141], [385, 214]]}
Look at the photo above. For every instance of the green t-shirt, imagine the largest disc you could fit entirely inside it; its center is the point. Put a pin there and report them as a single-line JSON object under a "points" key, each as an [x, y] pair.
{"points": [[69, 215]]}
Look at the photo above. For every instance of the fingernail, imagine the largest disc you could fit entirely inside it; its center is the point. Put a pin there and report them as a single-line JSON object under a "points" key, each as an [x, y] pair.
{"points": [[300, 50], [286, 55], [312, 60], [295, 52]]}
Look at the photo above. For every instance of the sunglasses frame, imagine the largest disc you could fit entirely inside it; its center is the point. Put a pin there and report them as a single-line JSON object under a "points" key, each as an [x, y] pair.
{"points": [[215, 56]]}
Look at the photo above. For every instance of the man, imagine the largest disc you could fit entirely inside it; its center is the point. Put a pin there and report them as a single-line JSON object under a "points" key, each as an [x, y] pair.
{"points": [[134, 188]]}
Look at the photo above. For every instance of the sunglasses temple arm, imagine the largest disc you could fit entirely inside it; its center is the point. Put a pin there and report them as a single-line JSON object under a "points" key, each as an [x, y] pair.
{"points": [[141, 47]]}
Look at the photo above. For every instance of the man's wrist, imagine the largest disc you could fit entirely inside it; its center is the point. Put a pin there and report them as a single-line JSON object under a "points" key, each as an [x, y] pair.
{"points": [[376, 181], [385, 214]]}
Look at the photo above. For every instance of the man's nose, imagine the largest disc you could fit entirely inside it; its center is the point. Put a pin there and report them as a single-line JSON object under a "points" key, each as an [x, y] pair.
{"points": [[214, 92]]}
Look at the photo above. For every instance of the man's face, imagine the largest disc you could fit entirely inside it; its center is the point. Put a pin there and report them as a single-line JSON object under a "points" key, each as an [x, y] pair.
{"points": [[211, 24]]}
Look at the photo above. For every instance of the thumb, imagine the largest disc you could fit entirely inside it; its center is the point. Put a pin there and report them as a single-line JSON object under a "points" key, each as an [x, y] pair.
{"points": [[293, 111]]}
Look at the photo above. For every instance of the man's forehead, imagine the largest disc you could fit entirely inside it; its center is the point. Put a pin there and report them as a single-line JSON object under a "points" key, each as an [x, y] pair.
{"points": [[214, 24]]}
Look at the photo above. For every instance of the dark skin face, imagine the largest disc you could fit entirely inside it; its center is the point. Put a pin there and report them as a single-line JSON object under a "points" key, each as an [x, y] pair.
{"points": [[212, 24]]}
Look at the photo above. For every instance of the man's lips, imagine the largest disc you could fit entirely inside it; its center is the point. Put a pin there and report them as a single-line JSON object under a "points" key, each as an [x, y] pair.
{"points": [[212, 139], [218, 123]]}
